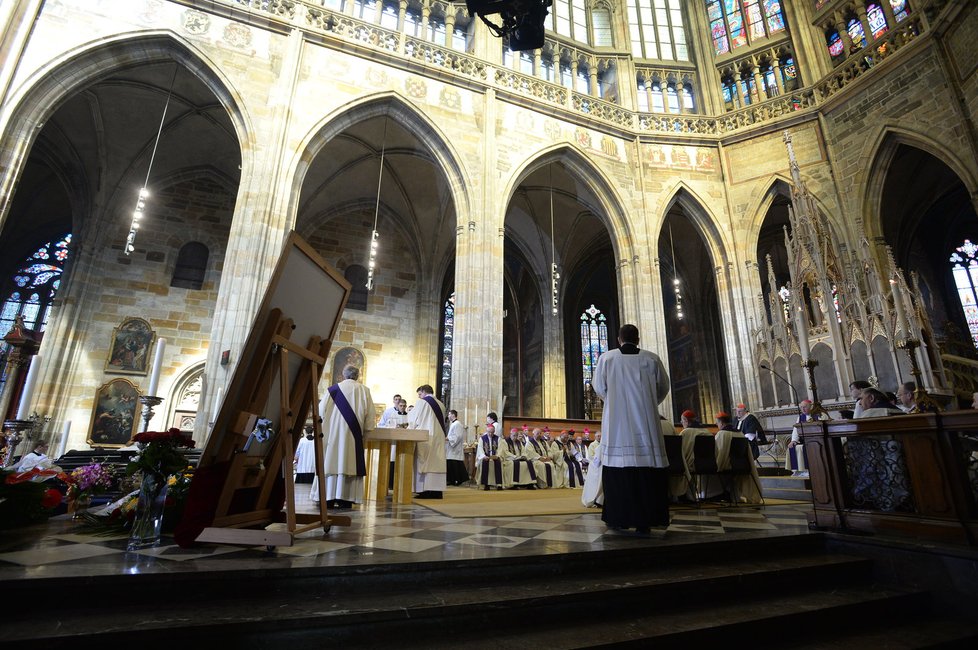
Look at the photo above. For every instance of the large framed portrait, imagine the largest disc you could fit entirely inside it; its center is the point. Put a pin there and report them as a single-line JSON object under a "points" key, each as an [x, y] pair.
{"points": [[130, 349], [114, 419], [348, 357]]}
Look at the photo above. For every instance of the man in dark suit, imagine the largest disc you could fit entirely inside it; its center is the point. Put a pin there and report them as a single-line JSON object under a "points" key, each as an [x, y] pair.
{"points": [[750, 426]]}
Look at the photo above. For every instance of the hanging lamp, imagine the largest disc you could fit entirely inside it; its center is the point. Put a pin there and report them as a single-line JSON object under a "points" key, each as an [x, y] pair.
{"points": [[137, 214]]}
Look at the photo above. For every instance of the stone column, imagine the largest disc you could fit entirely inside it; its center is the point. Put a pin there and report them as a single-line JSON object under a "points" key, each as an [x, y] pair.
{"points": [[776, 68], [592, 71], [758, 83], [425, 17], [741, 94], [864, 19], [449, 27], [574, 75], [401, 15], [891, 21], [840, 26]]}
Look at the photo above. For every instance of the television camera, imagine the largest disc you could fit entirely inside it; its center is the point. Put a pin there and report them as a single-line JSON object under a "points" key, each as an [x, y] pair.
{"points": [[522, 20]]}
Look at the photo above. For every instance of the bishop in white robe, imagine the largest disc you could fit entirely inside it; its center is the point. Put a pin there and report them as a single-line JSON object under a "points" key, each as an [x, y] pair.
{"points": [[537, 451], [517, 470]]}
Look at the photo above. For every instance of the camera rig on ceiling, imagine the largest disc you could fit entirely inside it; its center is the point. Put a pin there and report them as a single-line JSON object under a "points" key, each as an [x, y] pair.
{"points": [[522, 20]]}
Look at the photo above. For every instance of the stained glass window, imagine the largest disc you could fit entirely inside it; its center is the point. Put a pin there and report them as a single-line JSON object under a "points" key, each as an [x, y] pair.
{"points": [[655, 29], [877, 21], [33, 288], [856, 33], [734, 23], [900, 9], [448, 336], [835, 44], [964, 268], [594, 340]]}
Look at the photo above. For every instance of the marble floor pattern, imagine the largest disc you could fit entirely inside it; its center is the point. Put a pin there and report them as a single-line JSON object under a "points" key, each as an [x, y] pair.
{"points": [[381, 533]]}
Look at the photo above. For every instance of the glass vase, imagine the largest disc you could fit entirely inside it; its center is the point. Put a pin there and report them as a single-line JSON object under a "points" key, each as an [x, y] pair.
{"points": [[148, 524], [79, 505]]}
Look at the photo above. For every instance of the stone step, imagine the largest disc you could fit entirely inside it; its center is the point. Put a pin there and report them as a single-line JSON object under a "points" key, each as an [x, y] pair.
{"points": [[786, 482], [804, 496]]}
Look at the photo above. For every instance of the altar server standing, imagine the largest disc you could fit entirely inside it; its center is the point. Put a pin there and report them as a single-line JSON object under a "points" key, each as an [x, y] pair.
{"points": [[632, 383], [454, 450], [429, 457], [347, 410]]}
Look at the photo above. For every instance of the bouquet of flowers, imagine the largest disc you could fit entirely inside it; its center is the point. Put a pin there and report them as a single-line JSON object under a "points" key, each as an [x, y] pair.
{"points": [[28, 497], [160, 452], [89, 480]]}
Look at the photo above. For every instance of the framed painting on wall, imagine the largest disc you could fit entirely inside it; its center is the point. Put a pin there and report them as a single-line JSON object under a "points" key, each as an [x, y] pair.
{"points": [[347, 357], [114, 419], [130, 348]]}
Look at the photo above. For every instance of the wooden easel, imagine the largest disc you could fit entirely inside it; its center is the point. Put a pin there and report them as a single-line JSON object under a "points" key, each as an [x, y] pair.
{"points": [[252, 477]]}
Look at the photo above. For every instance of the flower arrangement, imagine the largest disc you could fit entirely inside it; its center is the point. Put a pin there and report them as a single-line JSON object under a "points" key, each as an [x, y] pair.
{"points": [[160, 452], [28, 497], [89, 480]]}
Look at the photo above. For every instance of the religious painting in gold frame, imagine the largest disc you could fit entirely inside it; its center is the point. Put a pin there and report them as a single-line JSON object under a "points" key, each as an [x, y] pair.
{"points": [[130, 349], [348, 357], [115, 415]]}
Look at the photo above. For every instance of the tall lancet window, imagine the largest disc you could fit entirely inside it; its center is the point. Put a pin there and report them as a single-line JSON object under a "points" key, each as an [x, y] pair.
{"points": [[31, 291], [594, 340], [964, 267], [447, 339]]}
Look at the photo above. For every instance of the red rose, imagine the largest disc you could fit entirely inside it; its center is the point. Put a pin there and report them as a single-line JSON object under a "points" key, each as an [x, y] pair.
{"points": [[51, 499]]}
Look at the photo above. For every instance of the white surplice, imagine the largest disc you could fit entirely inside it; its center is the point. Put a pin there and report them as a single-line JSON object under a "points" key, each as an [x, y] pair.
{"points": [[429, 456], [340, 452]]}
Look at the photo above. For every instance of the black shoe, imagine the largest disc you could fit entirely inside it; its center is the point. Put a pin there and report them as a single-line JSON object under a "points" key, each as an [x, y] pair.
{"points": [[643, 531], [342, 504], [485, 487]]}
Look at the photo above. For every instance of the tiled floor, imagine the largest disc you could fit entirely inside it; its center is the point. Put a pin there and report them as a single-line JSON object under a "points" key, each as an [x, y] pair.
{"points": [[380, 534]]}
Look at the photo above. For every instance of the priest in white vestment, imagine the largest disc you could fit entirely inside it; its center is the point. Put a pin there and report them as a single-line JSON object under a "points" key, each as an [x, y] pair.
{"points": [[488, 464], [305, 457], [517, 470], [707, 486], [430, 467], [561, 477], [347, 411], [632, 383], [537, 451], [454, 450]]}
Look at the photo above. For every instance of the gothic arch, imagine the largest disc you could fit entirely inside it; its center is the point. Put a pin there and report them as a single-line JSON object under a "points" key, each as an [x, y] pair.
{"points": [[67, 74], [878, 159], [410, 119], [775, 185], [702, 219], [609, 210]]}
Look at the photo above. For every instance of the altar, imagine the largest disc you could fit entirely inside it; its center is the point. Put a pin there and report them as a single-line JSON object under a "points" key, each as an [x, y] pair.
{"points": [[377, 445]]}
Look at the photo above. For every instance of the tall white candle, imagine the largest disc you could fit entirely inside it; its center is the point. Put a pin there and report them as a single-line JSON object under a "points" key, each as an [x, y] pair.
{"points": [[217, 404], [801, 324], [154, 378], [24, 409], [63, 445]]}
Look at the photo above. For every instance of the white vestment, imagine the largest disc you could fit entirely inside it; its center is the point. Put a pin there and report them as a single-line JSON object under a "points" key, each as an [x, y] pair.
{"points": [[561, 478], [536, 451], [746, 488], [486, 467], [709, 486], [429, 456], [454, 442], [632, 386], [33, 459], [305, 456], [340, 452], [515, 464]]}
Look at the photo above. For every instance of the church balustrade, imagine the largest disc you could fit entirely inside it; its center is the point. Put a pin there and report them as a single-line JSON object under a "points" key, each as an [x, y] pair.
{"points": [[532, 86], [443, 57], [329, 23], [601, 109], [859, 64], [905, 475]]}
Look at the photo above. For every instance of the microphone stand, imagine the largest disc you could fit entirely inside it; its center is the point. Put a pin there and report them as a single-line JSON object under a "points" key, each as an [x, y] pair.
{"points": [[777, 447]]}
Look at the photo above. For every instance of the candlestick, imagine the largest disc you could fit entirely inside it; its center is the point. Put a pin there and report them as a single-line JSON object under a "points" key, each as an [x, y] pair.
{"points": [[24, 409], [148, 402], [154, 378], [801, 324]]}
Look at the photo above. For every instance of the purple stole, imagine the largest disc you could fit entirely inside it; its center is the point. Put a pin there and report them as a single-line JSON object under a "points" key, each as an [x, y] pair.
{"points": [[433, 403], [573, 466], [518, 461], [489, 447], [343, 406], [550, 471]]}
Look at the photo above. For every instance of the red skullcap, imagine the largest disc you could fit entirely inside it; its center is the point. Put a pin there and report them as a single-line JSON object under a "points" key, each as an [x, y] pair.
{"points": [[689, 415]]}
